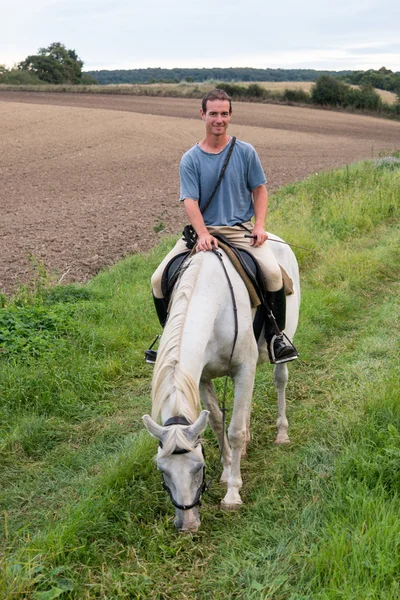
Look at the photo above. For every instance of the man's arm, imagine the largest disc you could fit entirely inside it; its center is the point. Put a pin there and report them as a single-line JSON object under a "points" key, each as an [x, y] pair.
{"points": [[260, 200], [205, 240]]}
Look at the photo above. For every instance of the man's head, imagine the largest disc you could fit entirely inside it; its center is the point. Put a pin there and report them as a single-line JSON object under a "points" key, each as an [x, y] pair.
{"points": [[216, 113], [215, 95]]}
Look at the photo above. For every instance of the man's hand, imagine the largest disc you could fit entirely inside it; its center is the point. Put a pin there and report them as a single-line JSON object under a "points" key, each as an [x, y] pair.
{"points": [[206, 242], [261, 236]]}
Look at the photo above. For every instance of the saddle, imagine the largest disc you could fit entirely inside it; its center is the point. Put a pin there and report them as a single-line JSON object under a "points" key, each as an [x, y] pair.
{"points": [[247, 267]]}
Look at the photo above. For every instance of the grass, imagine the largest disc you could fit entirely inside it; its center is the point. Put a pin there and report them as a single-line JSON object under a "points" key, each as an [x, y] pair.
{"points": [[83, 511]]}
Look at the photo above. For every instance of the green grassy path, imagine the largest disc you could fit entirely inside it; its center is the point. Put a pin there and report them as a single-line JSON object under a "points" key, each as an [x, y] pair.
{"points": [[83, 511]]}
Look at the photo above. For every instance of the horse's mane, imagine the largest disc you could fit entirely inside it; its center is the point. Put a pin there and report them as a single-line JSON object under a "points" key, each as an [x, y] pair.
{"points": [[170, 382], [176, 438]]}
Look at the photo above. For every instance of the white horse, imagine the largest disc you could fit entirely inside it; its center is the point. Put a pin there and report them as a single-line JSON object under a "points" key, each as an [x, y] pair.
{"points": [[194, 349]]}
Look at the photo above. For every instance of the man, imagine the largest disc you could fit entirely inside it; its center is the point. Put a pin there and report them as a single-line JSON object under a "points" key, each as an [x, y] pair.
{"points": [[240, 196]]}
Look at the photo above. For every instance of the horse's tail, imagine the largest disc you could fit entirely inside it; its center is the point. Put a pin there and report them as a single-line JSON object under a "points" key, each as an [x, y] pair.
{"points": [[170, 382]]}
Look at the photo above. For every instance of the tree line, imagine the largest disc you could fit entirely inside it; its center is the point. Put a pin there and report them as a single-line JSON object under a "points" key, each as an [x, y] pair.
{"points": [[159, 75], [57, 64], [327, 91], [383, 79]]}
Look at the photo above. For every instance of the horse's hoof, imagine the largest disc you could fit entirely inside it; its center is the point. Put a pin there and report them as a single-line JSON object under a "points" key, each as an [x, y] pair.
{"points": [[282, 440], [230, 507]]}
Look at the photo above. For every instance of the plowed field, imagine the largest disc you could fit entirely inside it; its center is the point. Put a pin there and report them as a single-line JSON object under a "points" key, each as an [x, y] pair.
{"points": [[87, 179]]}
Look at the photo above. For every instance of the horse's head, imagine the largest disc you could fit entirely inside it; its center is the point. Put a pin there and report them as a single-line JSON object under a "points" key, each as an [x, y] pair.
{"points": [[181, 460]]}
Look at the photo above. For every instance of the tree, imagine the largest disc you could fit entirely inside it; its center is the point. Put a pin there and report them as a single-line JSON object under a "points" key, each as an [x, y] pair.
{"points": [[328, 90], [54, 64]]}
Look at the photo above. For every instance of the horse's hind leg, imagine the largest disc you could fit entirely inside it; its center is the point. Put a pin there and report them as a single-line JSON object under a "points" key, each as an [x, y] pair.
{"points": [[281, 376], [210, 401]]}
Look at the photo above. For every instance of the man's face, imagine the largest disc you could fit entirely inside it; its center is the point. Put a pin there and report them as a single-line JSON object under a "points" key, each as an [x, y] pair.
{"points": [[216, 117]]}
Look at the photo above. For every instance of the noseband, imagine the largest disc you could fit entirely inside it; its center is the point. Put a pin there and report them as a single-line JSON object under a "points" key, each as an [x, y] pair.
{"points": [[204, 485]]}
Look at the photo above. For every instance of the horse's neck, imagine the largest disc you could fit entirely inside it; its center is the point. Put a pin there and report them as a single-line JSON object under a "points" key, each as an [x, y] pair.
{"points": [[209, 328], [199, 332], [169, 410]]}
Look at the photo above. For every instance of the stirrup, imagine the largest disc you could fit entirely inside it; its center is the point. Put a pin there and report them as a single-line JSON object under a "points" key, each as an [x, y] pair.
{"points": [[279, 351], [150, 355]]}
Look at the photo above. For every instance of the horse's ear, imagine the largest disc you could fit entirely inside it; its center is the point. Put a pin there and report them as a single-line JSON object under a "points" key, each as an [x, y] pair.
{"points": [[152, 427], [195, 430]]}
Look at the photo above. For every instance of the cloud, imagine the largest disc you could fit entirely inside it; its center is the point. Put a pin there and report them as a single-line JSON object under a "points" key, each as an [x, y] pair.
{"points": [[202, 33]]}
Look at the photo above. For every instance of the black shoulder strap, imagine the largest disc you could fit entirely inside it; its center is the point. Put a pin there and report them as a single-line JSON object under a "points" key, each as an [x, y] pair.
{"points": [[233, 141]]}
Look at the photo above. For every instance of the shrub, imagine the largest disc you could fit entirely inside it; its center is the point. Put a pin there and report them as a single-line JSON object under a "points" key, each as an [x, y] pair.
{"points": [[31, 330], [87, 79], [328, 90], [331, 91], [256, 91], [368, 98], [234, 90], [17, 77], [296, 95]]}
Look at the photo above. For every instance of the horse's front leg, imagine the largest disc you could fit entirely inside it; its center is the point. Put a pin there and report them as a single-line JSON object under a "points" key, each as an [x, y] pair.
{"points": [[281, 376], [244, 383], [210, 401]]}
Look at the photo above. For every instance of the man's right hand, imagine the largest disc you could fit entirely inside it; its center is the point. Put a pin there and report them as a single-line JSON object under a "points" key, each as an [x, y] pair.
{"points": [[206, 242]]}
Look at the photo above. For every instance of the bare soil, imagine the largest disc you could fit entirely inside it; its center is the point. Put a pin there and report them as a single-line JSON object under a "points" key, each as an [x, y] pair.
{"points": [[88, 179]]}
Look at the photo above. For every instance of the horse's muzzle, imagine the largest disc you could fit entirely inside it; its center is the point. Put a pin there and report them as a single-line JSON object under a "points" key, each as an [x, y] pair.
{"points": [[187, 521]]}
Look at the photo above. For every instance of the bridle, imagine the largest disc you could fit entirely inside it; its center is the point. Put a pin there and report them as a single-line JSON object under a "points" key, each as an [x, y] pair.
{"points": [[204, 485], [179, 420]]}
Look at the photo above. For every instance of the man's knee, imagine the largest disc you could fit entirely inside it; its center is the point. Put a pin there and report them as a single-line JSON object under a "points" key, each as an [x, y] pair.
{"points": [[273, 276], [156, 283], [156, 278]]}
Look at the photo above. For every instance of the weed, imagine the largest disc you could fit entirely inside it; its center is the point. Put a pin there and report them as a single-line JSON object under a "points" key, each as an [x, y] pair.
{"points": [[159, 226]]}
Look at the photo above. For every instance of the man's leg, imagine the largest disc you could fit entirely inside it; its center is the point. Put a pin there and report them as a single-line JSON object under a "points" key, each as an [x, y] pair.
{"points": [[279, 349], [179, 247], [160, 303]]}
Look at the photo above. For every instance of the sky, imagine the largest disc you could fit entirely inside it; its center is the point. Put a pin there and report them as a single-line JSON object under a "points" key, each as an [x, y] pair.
{"points": [[131, 34]]}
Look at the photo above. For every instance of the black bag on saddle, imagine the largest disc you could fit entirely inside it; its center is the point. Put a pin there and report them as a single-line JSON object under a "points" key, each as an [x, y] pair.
{"points": [[189, 234]]}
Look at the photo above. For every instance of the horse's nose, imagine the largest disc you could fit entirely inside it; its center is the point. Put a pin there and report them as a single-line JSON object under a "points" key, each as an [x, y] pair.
{"points": [[188, 522], [190, 527]]}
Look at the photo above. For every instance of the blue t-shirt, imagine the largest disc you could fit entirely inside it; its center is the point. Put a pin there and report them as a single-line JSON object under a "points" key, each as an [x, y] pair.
{"points": [[233, 201]]}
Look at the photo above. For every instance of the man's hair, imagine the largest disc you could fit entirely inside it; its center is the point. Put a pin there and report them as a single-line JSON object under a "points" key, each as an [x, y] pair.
{"points": [[215, 95]]}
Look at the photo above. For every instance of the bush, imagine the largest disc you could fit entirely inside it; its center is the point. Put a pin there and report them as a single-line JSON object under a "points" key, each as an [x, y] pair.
{"points": [[87, 79], [232, 89], [331, 91], [296, 96], [17, 77], [368, 98], [256, 91], [31, 330], [328, 90]]}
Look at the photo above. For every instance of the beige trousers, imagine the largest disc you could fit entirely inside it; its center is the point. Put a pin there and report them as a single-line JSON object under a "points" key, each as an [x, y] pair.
{"points": [[263, 254]]}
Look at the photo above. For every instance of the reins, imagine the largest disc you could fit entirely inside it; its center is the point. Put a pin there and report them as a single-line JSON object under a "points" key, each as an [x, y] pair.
{"points": [[223, 408]]}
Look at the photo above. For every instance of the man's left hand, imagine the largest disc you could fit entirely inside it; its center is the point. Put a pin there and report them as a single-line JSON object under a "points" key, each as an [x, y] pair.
{"points": [[261, 236]]}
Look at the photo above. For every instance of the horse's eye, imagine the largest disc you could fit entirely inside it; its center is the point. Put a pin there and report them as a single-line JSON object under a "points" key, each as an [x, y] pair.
{"points": [[197, 468]]}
